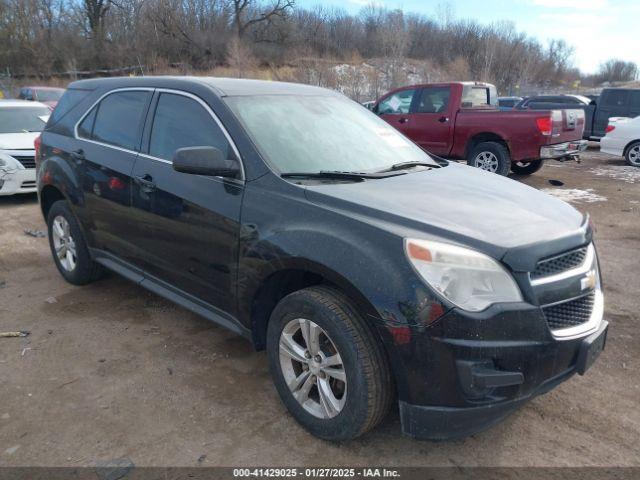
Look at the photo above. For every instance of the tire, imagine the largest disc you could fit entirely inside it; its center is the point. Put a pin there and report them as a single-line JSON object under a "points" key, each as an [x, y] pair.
{"points": [[490, 156], [528, 168], [356, 404], [74, 263], [632, 155]]}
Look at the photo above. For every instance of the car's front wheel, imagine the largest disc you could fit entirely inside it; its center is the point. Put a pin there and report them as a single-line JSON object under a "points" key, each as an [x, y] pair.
{"points": [[327, 365], [633, 154], [68, 247], [526, 168]]}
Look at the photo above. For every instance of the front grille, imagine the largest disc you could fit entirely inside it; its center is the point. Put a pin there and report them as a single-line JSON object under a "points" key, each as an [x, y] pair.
{"points": [[569, 314], [560, 263], [27, 162]]}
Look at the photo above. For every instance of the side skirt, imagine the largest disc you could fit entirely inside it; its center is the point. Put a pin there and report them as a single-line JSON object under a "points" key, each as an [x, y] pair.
{"points": [[169, 292]]}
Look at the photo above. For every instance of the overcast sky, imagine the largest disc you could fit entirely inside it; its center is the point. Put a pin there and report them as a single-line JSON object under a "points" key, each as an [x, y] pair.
{"points": [[597, 29]]}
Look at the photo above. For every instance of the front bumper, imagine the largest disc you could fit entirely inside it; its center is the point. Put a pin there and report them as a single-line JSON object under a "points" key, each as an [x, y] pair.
{"points": [[505, 379], [21, 180], [562, 150]]}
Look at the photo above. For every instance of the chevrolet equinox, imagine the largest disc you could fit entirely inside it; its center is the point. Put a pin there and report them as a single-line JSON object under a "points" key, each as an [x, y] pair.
{"points": [[370, 271]]}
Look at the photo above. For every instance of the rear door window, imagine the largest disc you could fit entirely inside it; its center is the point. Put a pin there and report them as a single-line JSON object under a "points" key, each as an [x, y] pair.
{"points": [[399, 102], [85, 129], [179, 122], [433, 100], [119, 118], [479, 96], [615, 98]]}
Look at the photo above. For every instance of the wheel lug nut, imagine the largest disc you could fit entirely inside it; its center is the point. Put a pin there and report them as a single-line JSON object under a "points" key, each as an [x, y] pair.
{"points": [[317, 358], [307, 354], [321, 374]]}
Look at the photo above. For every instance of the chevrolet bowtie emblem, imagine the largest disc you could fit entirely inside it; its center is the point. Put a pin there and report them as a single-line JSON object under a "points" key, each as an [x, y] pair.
{"points": [[588, 282]]}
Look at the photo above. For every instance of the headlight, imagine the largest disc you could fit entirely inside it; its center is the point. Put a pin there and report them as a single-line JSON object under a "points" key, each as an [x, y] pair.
{"points": [[465, 277]]}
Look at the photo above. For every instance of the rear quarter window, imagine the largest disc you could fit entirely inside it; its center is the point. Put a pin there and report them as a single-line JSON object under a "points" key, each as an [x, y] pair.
{"points": [[70, 99]]}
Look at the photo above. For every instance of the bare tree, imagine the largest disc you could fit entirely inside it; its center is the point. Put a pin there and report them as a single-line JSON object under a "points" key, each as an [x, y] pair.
{"points": [[246, 13], [616, 70], [383, 48], [239, 57]]}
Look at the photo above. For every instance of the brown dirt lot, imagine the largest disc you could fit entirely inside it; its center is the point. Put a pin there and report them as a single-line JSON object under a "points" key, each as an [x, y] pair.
{"points": [[113, 371]]}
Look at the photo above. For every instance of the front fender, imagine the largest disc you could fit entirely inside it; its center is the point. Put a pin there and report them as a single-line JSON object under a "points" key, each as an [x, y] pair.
{"points": [[285, 230]]}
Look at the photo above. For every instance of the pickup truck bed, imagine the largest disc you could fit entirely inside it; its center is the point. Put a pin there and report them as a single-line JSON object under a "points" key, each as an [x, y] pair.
{"points": [[612, 102], [458, 120]]}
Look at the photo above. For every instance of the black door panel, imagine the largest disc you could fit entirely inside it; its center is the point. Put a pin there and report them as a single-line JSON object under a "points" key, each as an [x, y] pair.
{"points": [[107, 189], [105, 153], [187, 229], [186, 226]]}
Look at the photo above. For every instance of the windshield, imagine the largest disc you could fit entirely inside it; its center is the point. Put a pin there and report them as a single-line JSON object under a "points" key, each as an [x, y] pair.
{"points": [[49, 95], [322, 133], [23, 119]]}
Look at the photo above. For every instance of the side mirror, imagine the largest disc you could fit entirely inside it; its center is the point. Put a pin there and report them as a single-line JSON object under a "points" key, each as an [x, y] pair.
{"points": [[208, 161]]}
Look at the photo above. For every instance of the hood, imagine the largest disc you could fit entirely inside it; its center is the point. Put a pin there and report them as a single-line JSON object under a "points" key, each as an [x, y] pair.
{"points": [[18, 141], [457, 203]]}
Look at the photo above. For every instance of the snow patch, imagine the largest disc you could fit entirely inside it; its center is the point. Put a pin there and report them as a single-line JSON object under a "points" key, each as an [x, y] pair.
{"points": [[575, 195], [626, 174]]}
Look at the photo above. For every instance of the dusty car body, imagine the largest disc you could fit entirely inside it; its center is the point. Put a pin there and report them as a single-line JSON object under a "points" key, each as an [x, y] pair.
{"points": [[368, 270]]}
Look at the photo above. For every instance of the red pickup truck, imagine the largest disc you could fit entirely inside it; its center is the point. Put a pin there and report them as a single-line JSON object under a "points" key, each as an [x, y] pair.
{"points": [[461, 120]]}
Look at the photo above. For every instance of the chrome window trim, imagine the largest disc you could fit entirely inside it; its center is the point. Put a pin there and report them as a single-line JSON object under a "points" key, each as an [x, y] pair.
{"points": [[574, 272], [116, 147], [151, 157]]}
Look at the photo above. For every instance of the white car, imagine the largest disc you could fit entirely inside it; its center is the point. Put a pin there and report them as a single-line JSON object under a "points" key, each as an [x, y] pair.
{"points": [[20, 124], [623, 139]]}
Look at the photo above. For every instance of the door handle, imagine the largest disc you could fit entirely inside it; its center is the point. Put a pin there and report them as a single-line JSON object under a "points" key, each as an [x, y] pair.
{"points": [[443, 119], [77, 155], [403, 120], [146, 182]]}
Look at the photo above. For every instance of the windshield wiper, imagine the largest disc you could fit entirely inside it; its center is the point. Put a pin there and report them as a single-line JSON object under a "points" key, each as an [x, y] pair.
{"points": [[341, 175], [403, 165]]}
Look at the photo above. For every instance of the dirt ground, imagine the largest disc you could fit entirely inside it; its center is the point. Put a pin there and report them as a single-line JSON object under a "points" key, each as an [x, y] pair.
{"points": [[111, 371]]}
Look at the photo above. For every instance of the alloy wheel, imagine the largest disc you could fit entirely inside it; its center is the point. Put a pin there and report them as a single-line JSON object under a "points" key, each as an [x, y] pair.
{"points": [[312, 368], [634, 155], [64, 244], [486, 161]]}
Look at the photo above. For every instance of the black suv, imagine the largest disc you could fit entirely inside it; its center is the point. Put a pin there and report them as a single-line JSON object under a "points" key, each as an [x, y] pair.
{"points": [[369, 270]]}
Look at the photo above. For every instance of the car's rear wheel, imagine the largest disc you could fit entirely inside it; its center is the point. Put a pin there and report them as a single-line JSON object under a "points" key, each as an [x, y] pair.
{"points": [[327, 365], [490, 156], [526, 168], [68, 246], [633, 154]]}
